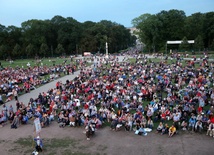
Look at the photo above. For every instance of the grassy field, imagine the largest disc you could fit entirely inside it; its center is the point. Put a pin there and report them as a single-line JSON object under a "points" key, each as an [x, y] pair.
{"points": [[45, 62], [67, 146]]}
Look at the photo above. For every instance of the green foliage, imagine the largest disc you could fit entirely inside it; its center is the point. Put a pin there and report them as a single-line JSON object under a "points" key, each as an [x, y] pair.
{"points": [[43, 49], [42, 37], [16, 50], [184, 44], [199, 44], [155, 30], [30, 50], [60, 49]]}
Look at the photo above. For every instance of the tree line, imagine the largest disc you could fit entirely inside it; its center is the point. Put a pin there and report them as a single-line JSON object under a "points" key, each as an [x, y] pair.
{"points": [[62, 36], [155, 30]]}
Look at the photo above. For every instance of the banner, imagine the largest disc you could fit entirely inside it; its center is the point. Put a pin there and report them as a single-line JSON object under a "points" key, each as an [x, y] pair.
{"points": [[37, 125]]}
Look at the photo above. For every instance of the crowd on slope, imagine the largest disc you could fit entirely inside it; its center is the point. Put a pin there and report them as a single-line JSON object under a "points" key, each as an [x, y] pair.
{"points": [[22, 80], [117, 92]]}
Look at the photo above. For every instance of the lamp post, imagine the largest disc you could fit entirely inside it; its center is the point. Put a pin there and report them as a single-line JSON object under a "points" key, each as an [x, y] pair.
{"points": [[106, 49]]}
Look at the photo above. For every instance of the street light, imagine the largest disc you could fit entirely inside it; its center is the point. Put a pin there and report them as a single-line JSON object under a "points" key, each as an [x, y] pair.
{"points": [[106, 49]]}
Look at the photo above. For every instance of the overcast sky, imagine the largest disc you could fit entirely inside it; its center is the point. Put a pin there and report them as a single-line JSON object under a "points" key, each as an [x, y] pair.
{"points": [[14, 12]]}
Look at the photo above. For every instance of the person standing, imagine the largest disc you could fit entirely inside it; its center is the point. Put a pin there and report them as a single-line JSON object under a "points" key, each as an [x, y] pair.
{"points": [[15, 94]]}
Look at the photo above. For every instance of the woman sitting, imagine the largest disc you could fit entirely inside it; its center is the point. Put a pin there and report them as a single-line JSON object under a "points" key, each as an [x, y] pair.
{"points": [[184, 125], [150, 123], [15, 122], [160, 127], [165, 129]]}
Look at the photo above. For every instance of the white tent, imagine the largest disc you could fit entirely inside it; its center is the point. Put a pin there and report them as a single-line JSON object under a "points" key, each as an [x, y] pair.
{"points": [[178, 42]]}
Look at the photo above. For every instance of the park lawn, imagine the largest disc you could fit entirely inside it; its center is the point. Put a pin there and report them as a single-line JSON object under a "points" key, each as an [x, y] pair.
{"points": [[46, 62], [158, 60]]}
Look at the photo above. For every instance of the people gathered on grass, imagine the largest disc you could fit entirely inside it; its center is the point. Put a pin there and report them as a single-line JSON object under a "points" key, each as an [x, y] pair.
{"points": [[138, 96], [19, 80]]}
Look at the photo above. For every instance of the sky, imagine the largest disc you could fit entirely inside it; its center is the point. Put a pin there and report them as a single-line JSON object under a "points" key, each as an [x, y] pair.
{"points": [[14, 12]]}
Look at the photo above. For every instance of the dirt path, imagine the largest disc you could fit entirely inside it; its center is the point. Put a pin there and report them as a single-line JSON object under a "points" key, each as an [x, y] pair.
{"points": [[70, 140]]}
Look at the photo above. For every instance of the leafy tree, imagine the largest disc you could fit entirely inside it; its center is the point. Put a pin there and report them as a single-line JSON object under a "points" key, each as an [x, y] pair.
{"points": [[194, 25], [30, 50], [208, 28], [212, 45], [184, 44], [43, 49], [3, 51], [16, 50], [59, 49], [199, 44], [155, 30]]}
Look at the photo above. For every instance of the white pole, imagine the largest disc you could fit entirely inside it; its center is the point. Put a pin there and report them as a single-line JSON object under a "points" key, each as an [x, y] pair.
{"points": [[106, 48]]}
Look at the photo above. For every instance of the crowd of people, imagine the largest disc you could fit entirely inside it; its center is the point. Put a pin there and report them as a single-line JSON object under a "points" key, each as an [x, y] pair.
{"points": [[24, 79], [130, 96]]}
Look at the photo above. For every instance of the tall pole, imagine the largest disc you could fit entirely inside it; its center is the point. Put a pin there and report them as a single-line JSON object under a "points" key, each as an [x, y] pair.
{"points": [[106, 49]]}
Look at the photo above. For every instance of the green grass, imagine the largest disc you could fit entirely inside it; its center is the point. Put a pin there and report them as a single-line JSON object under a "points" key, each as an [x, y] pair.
{"points": [[23, 62], [158, 60], [64, 146]]}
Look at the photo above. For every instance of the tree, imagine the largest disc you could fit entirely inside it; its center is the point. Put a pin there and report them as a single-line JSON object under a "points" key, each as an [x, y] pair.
{"points": [[3, 51], [194, 25], [199, 44], [59, 49], [212, 45], [184, 44], [149, 30], [155, 30], [30, 50], [16, 50], [208, 28], [43, 49]]}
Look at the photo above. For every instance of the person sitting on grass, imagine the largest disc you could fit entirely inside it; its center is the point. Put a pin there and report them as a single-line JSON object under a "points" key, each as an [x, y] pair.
{"points": [[165, 129], [198, 126], [90, 130], [114, 124], [172, 131], [141, 131], [160, 127], [15, 122], [192, 122], [24, 119], [2, 120], [150, 123], [184, 125], [210, 130]]}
